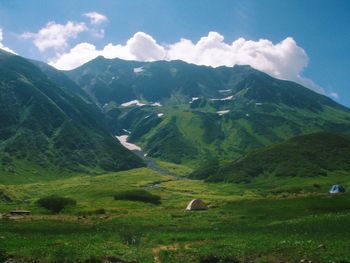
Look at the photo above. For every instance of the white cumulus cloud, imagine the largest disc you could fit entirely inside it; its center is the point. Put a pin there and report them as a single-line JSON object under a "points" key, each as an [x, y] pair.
{"points": [[284, 60], [96, 18], [140, 47], [77, 56], [143, 47], [55, 35], [2, 45]]}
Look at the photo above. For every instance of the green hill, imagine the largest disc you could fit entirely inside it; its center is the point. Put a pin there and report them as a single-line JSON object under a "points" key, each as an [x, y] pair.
{"points": [[303, 156], [49, 125]]}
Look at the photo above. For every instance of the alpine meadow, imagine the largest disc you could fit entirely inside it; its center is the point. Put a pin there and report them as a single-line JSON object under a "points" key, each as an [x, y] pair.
{"points": [[179, 143]]}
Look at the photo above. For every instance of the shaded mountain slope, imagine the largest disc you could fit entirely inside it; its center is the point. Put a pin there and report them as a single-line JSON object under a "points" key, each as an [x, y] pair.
{"points": [[48, 124], [61, 79]]}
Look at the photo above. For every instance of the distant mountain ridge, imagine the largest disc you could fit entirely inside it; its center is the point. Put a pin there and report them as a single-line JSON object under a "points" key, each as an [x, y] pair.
{"points": [[122, 81], [222, 112]]}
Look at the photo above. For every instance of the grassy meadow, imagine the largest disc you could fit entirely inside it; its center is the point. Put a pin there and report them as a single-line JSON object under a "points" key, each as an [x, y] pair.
{"points": [[269, 220]]}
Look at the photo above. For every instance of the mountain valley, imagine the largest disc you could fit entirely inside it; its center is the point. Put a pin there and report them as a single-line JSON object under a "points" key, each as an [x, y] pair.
{"points": [[129, 144]]}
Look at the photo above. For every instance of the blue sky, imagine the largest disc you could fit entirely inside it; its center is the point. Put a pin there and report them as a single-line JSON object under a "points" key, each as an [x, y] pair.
{"points": [[315, 51]]}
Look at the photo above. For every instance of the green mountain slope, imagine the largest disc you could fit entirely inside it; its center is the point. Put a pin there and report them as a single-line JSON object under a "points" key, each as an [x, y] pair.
{"points": [[47, 124], [220, 112], [303, 156], [60, 79]]}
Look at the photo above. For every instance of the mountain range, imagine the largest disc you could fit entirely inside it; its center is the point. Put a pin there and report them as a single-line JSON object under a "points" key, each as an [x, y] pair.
{"points": [[182, 112], [175, 111]]}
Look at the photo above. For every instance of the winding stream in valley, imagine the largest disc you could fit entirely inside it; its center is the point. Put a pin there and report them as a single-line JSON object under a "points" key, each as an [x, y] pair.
{"points": [[151, 164]]}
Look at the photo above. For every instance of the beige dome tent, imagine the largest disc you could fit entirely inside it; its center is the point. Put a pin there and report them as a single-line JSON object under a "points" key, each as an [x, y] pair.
{"points": [[196, 204]]}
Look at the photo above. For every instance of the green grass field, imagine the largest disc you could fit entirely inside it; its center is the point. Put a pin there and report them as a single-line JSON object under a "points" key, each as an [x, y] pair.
{"points": [[269, 220]]}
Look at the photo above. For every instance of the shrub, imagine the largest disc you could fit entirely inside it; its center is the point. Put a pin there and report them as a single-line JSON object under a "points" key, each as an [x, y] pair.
{"points": [[138, 195], [56, 203]]}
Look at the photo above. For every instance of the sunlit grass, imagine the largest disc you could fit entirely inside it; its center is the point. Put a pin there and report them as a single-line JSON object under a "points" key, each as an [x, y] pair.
{"points": [[245, 222]]}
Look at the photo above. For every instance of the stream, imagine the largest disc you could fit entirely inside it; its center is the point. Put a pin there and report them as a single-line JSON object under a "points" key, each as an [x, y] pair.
{"points": [[150, 163]]}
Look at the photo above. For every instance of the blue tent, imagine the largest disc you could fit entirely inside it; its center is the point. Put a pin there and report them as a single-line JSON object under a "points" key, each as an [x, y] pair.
{"points": [[336, 189]]}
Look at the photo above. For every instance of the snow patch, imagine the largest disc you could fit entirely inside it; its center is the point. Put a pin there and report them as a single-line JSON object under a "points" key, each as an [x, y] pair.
{"points": [[123, 139], [157, 104], [138, 70], [127, 131], [224, 90], [132, 103], [160, 114], [258, 104], [227, 98], [222, 112], [247, 115], [194, 99], [147, 116]]}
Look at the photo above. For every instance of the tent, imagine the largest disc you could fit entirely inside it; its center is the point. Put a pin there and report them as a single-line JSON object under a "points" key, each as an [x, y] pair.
{"points": [[336, 189], [196, 204]]}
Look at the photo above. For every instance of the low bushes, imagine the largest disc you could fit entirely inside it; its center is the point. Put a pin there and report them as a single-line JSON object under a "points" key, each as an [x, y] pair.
{"points": [[56, 203], [138, 195]]}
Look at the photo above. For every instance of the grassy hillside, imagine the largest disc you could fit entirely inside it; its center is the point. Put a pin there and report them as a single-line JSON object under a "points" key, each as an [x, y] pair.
{"points": [[304, 156], [225, 137], [51, 126], [245, 222]]}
